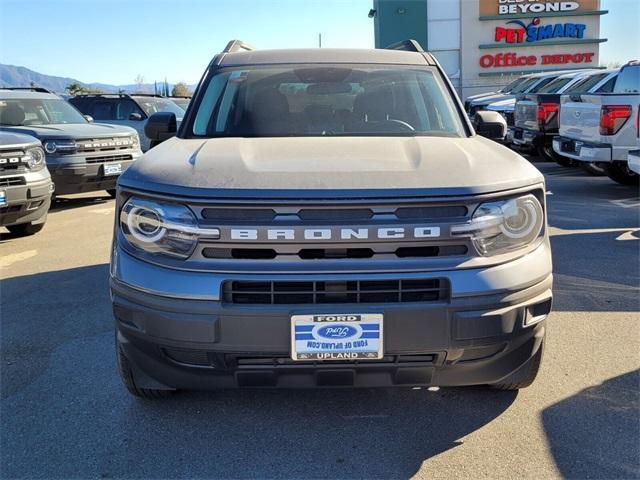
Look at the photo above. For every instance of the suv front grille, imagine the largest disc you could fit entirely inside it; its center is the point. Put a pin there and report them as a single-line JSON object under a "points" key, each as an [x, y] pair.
{"points": [[334, 291], [110, 158], [11, 181], [104, 144]]}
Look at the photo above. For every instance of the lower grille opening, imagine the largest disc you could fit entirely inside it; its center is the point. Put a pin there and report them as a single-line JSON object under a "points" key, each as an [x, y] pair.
{"points": [[431, 251], [269, 361], [332, 253], [339, 291], [189, 357]]}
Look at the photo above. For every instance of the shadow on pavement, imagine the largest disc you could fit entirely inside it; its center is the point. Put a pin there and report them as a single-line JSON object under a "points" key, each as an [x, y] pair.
{"points": [[66, 413], [68, 203], [596, 433]]}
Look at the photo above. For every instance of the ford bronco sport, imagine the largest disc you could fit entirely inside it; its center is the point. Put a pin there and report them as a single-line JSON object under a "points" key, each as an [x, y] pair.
{"points": [[25, 184], [82, 156], [328, 217]]}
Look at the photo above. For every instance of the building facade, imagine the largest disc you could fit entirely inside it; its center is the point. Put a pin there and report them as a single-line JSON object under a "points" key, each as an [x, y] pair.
{"points": [[484, 44]]}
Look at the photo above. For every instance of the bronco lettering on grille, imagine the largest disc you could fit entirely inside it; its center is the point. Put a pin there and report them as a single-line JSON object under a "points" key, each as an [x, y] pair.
{"points": [[311, 234]]}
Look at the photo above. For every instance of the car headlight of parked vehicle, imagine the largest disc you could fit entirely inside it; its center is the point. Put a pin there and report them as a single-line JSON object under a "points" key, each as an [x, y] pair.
{"points": [[504, 225], [135, 141], [158, 227], [59, 146], [35, 159]]}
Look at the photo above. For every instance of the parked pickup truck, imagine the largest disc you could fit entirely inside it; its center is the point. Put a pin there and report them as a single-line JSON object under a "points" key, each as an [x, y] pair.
{"points": [[536, 114], [600, 127], [328, 218]]}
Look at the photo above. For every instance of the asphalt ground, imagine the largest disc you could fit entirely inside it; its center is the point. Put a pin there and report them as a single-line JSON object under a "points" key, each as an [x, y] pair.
{"points": [[65, 414]]}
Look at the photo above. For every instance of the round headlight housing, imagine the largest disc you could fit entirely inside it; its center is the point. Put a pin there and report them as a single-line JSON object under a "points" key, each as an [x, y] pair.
{"points": [[59, 146], [35, 158], [158, 227], [135, 140], [504, 225]]}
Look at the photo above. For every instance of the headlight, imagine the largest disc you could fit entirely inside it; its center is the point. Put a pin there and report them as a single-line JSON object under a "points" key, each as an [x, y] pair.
{"points": [[60, 146], [35, 158], [135, 141], [158, 227], [504, 225]]}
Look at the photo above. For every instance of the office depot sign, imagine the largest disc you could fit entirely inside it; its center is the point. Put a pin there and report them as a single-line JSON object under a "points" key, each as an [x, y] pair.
{"points": [[501, 60]]}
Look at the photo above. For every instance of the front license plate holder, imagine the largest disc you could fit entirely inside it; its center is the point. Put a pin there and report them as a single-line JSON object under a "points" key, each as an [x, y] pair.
{"points": [[337, 337], [112, 169]]}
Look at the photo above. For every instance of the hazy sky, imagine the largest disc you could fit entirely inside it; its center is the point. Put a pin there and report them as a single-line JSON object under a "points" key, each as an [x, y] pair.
{"points": [[111, 41]]}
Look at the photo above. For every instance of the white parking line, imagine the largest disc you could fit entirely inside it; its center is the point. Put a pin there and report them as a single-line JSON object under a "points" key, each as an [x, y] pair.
{"points": [[12, 258], [627, 202], [625, 233]]}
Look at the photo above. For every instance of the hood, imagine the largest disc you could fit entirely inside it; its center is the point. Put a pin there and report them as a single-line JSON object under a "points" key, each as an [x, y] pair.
{"points": [[10, 140], [329, 167], [72, 130], [479, 96], [503, 105], [492, 99]]}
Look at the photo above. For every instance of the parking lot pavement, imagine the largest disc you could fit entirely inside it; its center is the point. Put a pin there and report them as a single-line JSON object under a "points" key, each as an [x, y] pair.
{"points": [[64, 413]]}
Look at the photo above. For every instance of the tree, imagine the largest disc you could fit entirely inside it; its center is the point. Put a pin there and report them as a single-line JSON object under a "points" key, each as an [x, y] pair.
{"points": [[139, 81], [181, 89], [76, 88]]}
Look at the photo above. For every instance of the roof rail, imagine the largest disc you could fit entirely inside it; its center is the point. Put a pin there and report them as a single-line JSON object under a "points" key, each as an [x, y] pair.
{"points": [[237, 45], [33, 89], [407, 46]]}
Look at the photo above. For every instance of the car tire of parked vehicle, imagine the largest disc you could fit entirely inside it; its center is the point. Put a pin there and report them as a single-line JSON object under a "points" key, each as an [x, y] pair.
{"points": [[594, 168], [112, 192], [547, 153], [25, 229], [620, 172], [127, 378], [524, 376]]}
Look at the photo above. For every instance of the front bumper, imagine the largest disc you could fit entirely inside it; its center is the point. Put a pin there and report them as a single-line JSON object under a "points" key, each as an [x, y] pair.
{"points": [[189, 338], [72, 174], [26, 203]]}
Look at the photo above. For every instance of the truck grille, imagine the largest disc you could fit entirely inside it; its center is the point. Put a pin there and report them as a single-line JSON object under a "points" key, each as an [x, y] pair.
{"points": [[338, 291]]}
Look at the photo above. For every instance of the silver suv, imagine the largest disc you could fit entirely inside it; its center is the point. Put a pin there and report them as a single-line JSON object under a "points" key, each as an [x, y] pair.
{"points": [[82, 156], [328, 217], [25, 184]]}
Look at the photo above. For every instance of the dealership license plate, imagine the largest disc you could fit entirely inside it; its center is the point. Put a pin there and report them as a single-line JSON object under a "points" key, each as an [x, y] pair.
{"points": [[356, 336], [3, 198], [112, 168]]}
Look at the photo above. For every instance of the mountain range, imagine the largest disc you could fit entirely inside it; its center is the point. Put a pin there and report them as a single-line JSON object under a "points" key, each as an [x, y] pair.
{"points": [[15, 76]]}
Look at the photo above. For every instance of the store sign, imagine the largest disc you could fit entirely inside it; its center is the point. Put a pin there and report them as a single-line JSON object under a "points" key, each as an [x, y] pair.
{"points": [[501, 60], [517, 31], [519, 7]]}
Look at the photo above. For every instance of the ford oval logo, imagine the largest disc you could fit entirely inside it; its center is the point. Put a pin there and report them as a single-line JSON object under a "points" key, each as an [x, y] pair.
{"points": [[337, 331]]}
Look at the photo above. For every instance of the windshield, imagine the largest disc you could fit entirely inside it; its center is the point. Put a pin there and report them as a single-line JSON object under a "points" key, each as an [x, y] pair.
{"points": [[555, 86], [325, 100], [513, 85], [37, 111], [183, 103], [151, 105], [586, 84], [524, 85]]}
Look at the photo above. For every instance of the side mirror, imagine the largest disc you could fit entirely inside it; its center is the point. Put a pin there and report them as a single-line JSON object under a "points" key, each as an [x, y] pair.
{"points": [[490, 124], [88, 118], [160, 127], [135, 116]]}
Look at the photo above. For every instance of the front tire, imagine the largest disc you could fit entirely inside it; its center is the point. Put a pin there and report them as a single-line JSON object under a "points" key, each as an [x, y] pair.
{"points": [[524, 376], [619, 172], [25, 229], [126, 374]]}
